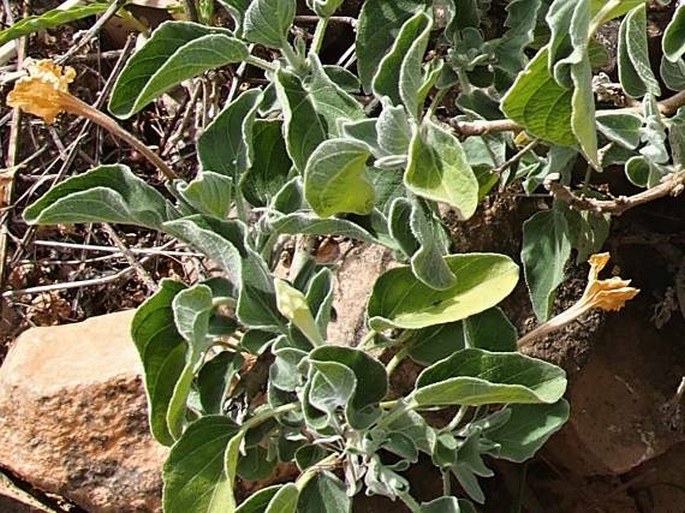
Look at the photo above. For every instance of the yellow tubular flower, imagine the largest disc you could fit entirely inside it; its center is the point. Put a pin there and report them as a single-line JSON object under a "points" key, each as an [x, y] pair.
{"points": [[610, 294], [45, 92]]}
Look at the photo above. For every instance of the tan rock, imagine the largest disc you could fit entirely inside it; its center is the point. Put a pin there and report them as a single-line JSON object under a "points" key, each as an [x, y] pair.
{"points": [[73, 416]]}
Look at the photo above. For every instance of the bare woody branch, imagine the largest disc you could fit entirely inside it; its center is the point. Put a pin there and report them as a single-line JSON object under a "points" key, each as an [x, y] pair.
{"points": [[673, 185]]}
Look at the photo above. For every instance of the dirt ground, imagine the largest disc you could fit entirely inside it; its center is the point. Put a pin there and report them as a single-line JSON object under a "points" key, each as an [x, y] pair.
{"points": [[623, 450]]}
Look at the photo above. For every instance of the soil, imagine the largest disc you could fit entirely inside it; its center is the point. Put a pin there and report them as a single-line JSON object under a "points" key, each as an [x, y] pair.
{"points": [[623, 451]]}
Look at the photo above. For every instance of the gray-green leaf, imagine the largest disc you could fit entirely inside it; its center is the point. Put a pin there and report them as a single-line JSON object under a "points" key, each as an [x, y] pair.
{"points": [[268, 22], [209, 193], [673, 42]]}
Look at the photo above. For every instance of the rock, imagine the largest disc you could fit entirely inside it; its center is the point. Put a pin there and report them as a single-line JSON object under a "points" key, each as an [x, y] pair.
{"points": [[15, 500], [73, 418], [353, 282]]}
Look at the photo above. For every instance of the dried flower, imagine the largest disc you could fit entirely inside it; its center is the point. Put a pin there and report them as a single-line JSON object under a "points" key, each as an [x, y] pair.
{"points": [[610, 294], [45, 92]]}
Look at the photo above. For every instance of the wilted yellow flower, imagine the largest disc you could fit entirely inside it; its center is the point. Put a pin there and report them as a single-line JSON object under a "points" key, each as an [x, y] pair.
{"points": [[610, 294], [45, 92]]}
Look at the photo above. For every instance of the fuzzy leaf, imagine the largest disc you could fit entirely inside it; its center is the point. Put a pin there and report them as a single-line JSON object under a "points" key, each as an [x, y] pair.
{"points": [[545, 252], [379, 25], [400, 300], [209, 193], [325, 493], [224, 146], [673, 42], [623, 128], [333, 171], [308, 223], [106, 194], [673, 73], [195, 478], [474, 377], [268, 22], [427, 263], [634, 70], [52, 18], [176, 52], [528, 428], [438, 170]]}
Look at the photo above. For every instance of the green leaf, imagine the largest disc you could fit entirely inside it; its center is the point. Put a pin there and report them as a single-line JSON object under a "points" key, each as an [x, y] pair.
{"points": [[634, 70], [386, 81], [520, 23], [490, 330], [618, 8], [438, 170], [427, 263], [52, 18], [107, 194], [268, 22], [379, 24], [673, 74], [194, 475], [224, 146], [414, 83], [370, 381], [638, 170], [308, 223], [334, 169], [673, 42], [343, 78], [293, 306], [285, 500], [324, 493], [237, 10], [324, 8], [546, 250], [528, 428], [259, 500], [175, 52], [330, 101], [162, 351], [209, 193], [429, 345], [304, 128], [400, 226], [255, 465], [400, 300], [473, 377], [320, 298], [393, 130], [215, 378], [271, 164], [538, 103], [623, 128]]}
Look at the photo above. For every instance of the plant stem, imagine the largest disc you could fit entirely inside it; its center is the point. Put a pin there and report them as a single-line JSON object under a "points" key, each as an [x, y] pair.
{"points": [[411, 503], [319, 34], [290, 56], [458, 417], [268, 414], [191, 10], [367, 340], [260, 63], [81, 108], [446, 483]]}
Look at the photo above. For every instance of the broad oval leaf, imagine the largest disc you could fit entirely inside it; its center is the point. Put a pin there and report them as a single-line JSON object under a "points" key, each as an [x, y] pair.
{"points": [[634, 69], [400, 300], [259, 500], [380, 22], [528, 428], [267, 22], [438, 170], [303, 127], [224, 146], [195, 478], [324, 493], [285, 500], [293, 306], [162, 351], [209, 193], [474, 376], [333, 172], [546, 250], [175, 52], [107, 194], [540, 104], [623, 128], [52, 18], [673, 42]]}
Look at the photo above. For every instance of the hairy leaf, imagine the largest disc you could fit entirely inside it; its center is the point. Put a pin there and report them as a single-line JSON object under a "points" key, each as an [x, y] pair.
{"points": [[335, 170], [210, 193], [267, 22], [176, 52], [438, 170], [623, 128], [52, 18], [107, 194], [195, 478], [427, 263], [673, 42], [490, 330], [325, 493], [400, 300], [545, 252], [634, 70], [474, 376]]}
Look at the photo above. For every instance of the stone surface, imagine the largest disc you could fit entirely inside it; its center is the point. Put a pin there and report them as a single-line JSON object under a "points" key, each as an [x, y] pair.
{"points": [[354, 279], [14, 500], [73, 416]]}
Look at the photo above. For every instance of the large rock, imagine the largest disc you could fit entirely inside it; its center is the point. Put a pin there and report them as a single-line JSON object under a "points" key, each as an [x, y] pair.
{"points": [[73, 416]]}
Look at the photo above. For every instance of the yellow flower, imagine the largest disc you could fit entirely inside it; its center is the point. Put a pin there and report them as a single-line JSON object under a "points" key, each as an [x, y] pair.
{"points": [[610, 294], [45, 92]]}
